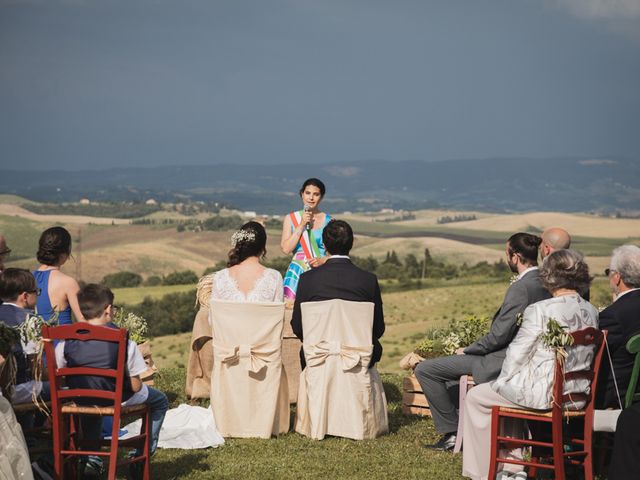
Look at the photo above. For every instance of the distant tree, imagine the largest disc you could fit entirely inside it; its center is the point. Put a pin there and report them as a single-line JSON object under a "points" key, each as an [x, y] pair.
{"points": [[168, 315], [411, 266], [153, 281], [279, 263], [392, 258], [122, 280], [185, 277], [370, 264]]}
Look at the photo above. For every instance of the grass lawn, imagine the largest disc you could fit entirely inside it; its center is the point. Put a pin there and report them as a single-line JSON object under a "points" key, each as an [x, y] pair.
{"points": [[399, 455]]}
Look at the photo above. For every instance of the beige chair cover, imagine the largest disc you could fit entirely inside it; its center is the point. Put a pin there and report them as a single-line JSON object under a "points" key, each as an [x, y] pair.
{"points": [[14, 458], [249, 393], [201, 353], [338, 394]]}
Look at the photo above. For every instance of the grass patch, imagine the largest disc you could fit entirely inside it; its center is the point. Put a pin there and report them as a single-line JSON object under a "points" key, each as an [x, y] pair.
{"points": [[399, 455]]}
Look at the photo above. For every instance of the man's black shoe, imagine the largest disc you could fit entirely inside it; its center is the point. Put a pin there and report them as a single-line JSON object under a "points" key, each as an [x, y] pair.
{"points": [[446, 443]]}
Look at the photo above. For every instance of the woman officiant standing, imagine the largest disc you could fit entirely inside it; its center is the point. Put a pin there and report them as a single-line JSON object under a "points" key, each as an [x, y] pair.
{"points": [[302, 236]]}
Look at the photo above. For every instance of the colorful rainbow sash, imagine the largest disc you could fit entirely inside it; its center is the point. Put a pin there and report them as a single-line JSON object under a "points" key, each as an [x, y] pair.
{"points": [[307, 241]]}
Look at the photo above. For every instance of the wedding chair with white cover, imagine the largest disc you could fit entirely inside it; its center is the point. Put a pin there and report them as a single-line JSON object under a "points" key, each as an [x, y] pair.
{"points": [[338, 394], [249, 393]]}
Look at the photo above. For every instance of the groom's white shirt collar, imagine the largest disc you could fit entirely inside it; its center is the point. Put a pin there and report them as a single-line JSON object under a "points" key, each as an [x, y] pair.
{"points": [[526, 271], [338, 256]]}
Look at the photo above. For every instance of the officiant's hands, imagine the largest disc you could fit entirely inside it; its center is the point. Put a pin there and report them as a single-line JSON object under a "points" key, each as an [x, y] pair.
{"points": [[316, 262]]}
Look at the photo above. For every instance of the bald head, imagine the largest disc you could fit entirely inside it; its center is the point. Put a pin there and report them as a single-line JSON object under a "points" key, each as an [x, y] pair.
{"points": [[554, 239]]}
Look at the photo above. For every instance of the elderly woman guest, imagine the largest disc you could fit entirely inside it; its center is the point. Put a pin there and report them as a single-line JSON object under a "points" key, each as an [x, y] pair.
{"points": [[245, 279], [302, 236], [526, 379], [58, 290]]}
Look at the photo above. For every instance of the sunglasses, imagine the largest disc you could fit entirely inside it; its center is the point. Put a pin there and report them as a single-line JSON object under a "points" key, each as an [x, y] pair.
{"points": [[37, 291], [608, 271]]}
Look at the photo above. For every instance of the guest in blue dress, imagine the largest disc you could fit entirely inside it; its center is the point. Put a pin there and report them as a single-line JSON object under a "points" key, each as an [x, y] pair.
{"points": [[59, 292]]}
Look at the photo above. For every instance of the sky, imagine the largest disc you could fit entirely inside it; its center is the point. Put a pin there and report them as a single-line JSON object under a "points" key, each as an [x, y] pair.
{"points": [[94, 84]]}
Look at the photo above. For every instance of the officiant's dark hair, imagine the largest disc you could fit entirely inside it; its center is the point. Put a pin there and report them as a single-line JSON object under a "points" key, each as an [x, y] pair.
{"points": [[337, 237], [316, 183], [249, 241], [525, 245]]}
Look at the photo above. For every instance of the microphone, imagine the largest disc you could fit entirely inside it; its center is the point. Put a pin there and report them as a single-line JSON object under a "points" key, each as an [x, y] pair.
{"points": [[307, 208]]}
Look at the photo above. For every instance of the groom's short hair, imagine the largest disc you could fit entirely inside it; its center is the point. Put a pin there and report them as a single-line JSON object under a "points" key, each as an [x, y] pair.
{"points": [[337, 237]]}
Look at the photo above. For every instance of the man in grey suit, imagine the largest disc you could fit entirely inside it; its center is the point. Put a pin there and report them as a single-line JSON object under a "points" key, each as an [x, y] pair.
{"points": [[483, 359]]}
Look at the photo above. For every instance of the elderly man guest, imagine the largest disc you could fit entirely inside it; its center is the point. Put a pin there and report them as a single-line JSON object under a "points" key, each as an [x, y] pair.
{"points": [[622, 320], [483, 359]]}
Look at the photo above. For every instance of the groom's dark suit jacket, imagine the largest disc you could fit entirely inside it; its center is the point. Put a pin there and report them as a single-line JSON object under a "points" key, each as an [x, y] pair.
{"points": [[340, 279], [622, 320]]}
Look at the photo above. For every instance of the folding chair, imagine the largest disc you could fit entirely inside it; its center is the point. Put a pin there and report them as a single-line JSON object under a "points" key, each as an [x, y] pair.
{"points": [[579, 447], [68, 403]]}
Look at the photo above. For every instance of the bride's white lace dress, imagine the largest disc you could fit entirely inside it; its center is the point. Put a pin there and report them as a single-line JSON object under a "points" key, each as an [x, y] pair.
{"points": [[268, 288]]}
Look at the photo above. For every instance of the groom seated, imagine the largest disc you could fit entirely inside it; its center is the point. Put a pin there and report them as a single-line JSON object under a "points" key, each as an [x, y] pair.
{"points": [[339, 279]]}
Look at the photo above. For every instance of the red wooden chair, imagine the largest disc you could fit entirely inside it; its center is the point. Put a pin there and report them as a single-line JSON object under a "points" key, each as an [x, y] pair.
{"points": [[67, 444], [580, 451]]}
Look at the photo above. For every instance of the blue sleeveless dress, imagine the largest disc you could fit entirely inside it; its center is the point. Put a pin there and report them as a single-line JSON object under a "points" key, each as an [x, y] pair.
{"points": [[43, 305]]}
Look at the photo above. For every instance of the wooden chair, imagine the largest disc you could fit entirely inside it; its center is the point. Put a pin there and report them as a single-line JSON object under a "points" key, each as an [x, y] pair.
{"points": [[581, 448], [633, 347], [67, 444]]}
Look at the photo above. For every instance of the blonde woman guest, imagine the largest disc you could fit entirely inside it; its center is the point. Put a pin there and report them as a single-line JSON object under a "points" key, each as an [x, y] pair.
{"points": [[526, 379], [59, 291], [245, 279], [302, 236]]}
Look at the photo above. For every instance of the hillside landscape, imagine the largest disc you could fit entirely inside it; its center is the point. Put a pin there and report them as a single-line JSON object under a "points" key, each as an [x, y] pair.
{"points": [[104, 246]]}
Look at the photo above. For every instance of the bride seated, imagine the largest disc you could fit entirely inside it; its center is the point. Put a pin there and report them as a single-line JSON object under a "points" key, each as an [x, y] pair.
{"points": [[245, 279]]}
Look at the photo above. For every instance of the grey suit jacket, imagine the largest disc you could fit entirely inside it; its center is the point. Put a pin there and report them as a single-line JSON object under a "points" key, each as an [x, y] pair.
{"points": [[493, 346]]}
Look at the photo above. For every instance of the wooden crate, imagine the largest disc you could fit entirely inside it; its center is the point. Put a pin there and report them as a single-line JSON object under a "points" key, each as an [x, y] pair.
{"points": [[413, 400]]}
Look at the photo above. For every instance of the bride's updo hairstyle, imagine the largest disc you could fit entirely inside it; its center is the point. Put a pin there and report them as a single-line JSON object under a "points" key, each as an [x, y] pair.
{"points": [[54, 242], [249, 241]]}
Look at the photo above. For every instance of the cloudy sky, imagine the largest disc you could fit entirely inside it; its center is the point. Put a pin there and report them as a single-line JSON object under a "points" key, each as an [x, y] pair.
{"points": [[101, 83]]}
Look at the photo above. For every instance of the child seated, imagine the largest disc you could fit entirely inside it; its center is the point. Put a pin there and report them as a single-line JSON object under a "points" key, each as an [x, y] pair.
{"points": [[18, 293], [96, 305]]}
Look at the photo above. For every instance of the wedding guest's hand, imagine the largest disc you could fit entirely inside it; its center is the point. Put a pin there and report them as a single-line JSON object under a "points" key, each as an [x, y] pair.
{"points": [[460, 351]]}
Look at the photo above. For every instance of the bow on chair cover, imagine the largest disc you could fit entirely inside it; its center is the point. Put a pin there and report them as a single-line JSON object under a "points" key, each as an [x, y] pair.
{"points": [[350, 357], [258, 356], [249, 394], [338, 393]]}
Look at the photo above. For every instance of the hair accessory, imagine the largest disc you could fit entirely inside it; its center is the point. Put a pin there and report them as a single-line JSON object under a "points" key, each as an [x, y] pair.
{"points": [[242, 236]]}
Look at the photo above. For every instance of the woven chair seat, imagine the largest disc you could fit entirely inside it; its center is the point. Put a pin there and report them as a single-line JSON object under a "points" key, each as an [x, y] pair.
{"points": [[538, 413], [19, 408], [97, 410]]}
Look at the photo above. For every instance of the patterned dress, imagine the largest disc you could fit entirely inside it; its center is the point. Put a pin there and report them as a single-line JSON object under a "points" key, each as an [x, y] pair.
{"points": [[312, 248]]}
